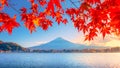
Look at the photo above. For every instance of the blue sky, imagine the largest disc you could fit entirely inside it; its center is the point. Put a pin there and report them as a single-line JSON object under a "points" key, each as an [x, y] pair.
{"points": [[22, 35]]}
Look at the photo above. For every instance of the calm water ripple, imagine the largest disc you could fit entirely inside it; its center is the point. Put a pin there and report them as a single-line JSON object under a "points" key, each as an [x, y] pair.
{"points": [[59, 60]]}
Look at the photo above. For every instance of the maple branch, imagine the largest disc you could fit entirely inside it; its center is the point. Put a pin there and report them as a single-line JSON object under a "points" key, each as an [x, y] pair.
{"points": [[14, 8], [76, 1], [73, 3]]}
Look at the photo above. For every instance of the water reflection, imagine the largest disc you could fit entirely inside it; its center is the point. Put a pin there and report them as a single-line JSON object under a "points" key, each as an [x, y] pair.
{"points": [[60, 60], [98, 60]]}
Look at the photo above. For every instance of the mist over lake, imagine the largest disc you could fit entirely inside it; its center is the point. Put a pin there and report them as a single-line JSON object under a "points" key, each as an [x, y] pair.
{"points": [[59, 60]]}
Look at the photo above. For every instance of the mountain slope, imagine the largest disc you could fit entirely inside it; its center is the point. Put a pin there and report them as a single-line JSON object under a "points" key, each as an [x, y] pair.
{"points": [[10, 46], [59, 44]]}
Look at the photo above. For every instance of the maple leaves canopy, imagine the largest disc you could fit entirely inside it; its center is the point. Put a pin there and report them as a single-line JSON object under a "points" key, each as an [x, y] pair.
{"points": [[92, 17]]}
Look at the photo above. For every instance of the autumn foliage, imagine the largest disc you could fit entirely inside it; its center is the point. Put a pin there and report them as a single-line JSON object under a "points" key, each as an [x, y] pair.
{"points": [[92, 17]]}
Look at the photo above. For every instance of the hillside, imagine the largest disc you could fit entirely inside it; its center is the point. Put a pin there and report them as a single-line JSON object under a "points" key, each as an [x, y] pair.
{"points": [[10, 46]]}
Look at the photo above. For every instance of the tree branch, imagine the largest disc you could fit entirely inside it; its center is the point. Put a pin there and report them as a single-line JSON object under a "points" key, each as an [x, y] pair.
{"points": [[14, 8], [73, 3]]}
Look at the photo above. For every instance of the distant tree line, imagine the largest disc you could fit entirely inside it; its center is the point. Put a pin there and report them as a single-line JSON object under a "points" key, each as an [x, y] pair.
{"points": [[106, 50]]}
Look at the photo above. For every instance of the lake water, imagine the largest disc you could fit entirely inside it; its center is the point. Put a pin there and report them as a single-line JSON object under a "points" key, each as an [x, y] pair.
{"points": [[60, 60]]}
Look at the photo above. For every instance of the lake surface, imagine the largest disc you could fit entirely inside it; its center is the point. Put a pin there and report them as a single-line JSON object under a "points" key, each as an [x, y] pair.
{"points": [[59, 60]]}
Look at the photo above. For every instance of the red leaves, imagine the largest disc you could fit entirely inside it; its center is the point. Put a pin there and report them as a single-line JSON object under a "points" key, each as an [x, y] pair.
{"points": [[105, 30], [46, 23], [35, 19], [85, 6], [92, 1], [3, 3], [72, 11], [91, 35], [52, 4], [64, 21], [42, 2], [92, 17], [59, 18], [55, 10], [34, 8], [7, 23], [30, 25], [24, 10], [32, 1], [32, 21], [27, 18], [57, 3]]}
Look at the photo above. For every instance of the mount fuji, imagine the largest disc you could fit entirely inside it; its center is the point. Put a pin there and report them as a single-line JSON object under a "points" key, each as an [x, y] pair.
{"points": [[60, 44]]}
